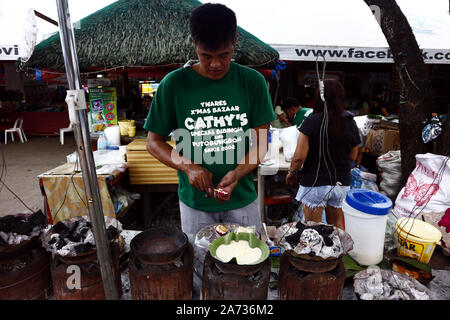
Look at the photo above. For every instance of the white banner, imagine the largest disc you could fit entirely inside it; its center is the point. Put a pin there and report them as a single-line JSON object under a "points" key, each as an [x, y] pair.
{"points": [[9, 51], [353, 54]]}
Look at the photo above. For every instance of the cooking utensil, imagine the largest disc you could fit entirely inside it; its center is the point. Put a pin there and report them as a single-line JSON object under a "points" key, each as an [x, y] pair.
{"points": [[232, 266], [159, 246], [269, 242]]}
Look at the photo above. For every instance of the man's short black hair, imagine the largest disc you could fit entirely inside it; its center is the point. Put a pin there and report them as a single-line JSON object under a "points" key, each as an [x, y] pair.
{"points": [[213, 25], [289, 102]]}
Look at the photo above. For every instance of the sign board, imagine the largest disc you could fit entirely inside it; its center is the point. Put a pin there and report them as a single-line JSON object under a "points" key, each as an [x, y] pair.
{"points": [[103, 108], [353, 54], [9, 52]]}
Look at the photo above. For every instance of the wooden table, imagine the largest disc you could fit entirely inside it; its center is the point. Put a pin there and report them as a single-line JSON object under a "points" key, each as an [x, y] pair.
{"points": [[64, 195]]}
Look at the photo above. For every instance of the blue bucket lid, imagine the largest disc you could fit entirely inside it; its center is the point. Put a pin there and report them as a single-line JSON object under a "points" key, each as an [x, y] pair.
{"points": [[368, 201]]}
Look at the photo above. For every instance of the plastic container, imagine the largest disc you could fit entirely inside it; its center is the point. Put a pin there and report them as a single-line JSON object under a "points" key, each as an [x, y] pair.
{"points": [[113, 135], [131, 131], [102, 143], [124, 124], [416, 238], [365, 214]]}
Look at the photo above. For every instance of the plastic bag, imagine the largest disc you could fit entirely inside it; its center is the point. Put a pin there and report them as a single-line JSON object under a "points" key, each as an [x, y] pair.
{"points": [[289, 137], [363, 180], [389, 167], [390, 236], [427, 188]]}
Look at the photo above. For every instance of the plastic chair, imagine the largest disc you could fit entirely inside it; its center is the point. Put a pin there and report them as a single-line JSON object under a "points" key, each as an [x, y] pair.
{"points": [[275, 200], [64, 130], [16, 129]]}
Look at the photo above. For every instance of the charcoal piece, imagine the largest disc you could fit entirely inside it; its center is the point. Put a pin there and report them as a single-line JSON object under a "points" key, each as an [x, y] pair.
{"points": [[75, 237], [294, 238], [7, 222], [53, 240], [323, 230], [38, 218], [59, 227], [3, 242], [83, 247], [300, 226], [61, 243], [111, 232], [83, 231], [328, 241], [22, 228], [74, 227]]}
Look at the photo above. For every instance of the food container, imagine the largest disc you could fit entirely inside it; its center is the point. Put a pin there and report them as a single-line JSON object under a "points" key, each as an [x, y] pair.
{"points": [[365, 213], [416, 239]]}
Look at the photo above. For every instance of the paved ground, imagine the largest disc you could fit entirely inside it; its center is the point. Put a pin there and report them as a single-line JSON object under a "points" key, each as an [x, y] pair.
{"points": [[24, 162]]}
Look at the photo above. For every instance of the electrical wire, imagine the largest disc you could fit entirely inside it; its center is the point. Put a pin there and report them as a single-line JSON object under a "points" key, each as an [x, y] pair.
{"points": [[3, 176], [323, 141]]}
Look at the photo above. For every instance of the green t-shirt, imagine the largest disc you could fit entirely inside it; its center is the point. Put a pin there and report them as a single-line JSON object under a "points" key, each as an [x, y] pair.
{"points": [[301, 115], [211, 119]]}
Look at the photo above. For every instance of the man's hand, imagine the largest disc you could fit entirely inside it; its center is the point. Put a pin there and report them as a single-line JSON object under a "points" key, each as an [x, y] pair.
{"points": [[200, 178], [227, 184]]}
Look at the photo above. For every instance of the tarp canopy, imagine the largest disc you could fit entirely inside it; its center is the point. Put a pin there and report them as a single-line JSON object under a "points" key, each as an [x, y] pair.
{"points": [[344, 31], [134, 33]]}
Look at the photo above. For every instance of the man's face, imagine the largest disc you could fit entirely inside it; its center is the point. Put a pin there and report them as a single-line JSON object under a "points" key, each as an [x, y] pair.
{"points": [[214, 64], [290, 112]]}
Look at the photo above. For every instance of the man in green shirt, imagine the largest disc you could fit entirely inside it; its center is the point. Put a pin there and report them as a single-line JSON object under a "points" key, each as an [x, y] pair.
{"points": [[214, 105], [290, 113]]}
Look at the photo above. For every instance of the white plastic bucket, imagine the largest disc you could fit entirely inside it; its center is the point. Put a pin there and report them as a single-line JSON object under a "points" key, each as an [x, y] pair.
{"points": [[112, 134], [365, 214]]}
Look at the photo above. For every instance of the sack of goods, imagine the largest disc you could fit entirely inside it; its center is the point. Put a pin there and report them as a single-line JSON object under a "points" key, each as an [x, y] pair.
{"points": [[427, 188]]}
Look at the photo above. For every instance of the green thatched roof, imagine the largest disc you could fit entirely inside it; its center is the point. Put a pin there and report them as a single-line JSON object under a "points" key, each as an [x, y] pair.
{"points": [[141, 33]]}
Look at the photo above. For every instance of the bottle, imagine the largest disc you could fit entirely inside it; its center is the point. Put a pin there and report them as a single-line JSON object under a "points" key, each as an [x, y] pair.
{"points": [[101, 143]]}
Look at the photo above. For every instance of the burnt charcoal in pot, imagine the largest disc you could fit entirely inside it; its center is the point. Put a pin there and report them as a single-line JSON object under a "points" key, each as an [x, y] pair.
{"points": [[301, 227], [64, 234], [73, 227], [7, 222], [111, 232], [38, 218], [323, 230], [75, 237], [53, 240], [83, 247], [327, 240], [22, 227], [83, 230], [294, 238], [3, 242], [59, 227], [61, 243]]}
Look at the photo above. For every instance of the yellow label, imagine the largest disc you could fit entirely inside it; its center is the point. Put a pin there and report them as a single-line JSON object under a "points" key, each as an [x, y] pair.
{"points": [[414, 249]]}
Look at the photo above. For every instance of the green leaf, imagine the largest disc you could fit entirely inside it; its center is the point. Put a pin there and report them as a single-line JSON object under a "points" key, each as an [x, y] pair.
{"points": [[351, 264], [415, 263]]}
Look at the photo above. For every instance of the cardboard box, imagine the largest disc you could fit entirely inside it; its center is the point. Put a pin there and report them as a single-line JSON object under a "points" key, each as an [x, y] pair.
{"points": [[382, 141]]}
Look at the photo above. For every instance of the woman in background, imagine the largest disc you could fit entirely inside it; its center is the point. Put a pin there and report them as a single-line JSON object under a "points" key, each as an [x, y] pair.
{"points": [[325, 158]]}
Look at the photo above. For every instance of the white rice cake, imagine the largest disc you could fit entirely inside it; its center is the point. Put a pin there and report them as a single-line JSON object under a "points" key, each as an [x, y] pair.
{"points": [[241, 250]]}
